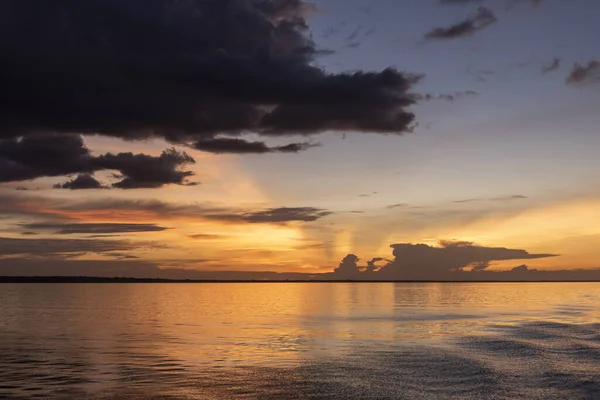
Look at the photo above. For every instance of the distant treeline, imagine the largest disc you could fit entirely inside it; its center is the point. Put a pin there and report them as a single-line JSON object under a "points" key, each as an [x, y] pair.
{"points": [[90, 279]]}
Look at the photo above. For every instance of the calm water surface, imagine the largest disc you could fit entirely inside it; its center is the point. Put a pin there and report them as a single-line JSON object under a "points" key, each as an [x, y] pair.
{"points": [[300, 340]]}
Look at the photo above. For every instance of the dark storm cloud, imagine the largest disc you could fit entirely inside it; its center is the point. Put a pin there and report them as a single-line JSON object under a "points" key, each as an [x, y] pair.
{"points": [[50, 155], [144, 171], [37, 156], [82, 181], [241, 146], [553, 66], [183, 71], [585, 73], [476, 22], [92, 228]]}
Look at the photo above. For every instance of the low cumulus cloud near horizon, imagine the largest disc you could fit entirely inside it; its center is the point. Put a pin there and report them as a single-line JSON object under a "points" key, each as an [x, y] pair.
{"points": [[200, 75], [449, 261], [425, 262]]}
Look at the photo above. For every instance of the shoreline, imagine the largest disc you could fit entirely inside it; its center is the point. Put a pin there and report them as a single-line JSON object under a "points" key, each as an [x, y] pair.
{"points": [[85, 279]]}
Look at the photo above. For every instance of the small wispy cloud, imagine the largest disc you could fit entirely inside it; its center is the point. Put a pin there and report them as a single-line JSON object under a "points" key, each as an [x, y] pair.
{"points": [[399, 205], [553, 66], [504, 198], [584, 73], [483, 18]]}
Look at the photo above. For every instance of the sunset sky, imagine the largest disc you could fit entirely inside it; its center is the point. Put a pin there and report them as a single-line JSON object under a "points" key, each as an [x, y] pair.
{"points": [[293, 132]]}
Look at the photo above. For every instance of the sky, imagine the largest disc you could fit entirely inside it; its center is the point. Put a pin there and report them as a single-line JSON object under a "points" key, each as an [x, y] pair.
{"points": [[163, 138]]}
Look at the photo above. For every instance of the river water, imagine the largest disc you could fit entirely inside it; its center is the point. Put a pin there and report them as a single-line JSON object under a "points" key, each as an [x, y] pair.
{"points": [[300, 341]]}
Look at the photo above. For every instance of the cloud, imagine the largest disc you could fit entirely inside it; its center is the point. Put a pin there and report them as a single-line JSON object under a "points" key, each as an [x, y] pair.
{"points": [[584, 73], [125, 267], [354, 33], [480, 266], [447, 96], [452, 2], [348, 267], [553, 66], [476, 22], [184, 71], [92, 228], [81, 181], [199, 211], [463, 2], [55, 247], [144, 171], [427, 262], [116, 209], [512, 3], [504, 198], [51, 155], [364, 195], [522, 268], [206, 236], [399, 205], [37, 156], [371, 267], [124, 256], [509, 198], [286, 214], [480, 75], [424, 262], [241, 146]]}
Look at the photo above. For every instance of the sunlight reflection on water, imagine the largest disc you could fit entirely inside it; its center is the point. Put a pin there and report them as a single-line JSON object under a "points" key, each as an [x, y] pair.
{"points": [[300, 340]]}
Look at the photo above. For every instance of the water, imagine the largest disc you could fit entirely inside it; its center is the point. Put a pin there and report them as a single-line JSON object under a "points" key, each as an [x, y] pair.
{"points": [[300, 340]]}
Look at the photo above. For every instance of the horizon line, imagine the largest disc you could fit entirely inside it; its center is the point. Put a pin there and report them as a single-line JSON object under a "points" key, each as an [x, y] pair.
{"points": [[95, 279]]}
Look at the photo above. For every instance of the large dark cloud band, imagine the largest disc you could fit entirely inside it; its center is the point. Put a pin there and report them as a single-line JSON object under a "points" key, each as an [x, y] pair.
{"points": [[200, 73], [184, 71]]}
